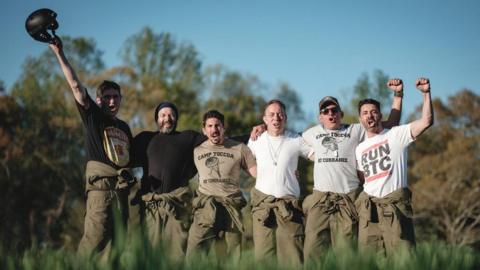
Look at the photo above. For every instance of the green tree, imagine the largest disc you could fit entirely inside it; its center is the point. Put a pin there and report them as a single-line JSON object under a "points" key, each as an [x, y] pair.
{"points": [[237, 96], [369, 88], [445, 171], [158, 68]]}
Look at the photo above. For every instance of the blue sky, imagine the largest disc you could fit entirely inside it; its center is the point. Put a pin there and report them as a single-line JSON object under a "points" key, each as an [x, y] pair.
{"points": [[318, 47]]}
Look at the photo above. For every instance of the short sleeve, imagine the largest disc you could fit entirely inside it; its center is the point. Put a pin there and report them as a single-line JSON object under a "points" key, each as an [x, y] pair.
{"points": [[402, 134], [248, 160], [305, 149], [308, 136]]}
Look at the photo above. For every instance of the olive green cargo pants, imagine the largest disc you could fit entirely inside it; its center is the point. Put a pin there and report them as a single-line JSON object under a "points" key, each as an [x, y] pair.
{"points": [[330, 217], [167, 219], [277, 229], [386, 224]]}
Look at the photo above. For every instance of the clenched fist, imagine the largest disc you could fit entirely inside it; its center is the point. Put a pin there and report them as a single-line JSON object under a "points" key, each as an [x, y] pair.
{"points": [[395, 84], [423, 84]]}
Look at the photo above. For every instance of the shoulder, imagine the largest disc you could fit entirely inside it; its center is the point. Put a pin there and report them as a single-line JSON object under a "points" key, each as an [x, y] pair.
{"points": [[313, 129], [123, 126], [189, 132], [229, 143], [145, 135], [291, 134]]}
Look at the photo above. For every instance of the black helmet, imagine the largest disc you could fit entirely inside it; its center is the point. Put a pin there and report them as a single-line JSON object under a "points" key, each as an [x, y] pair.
{"points": [[39, 22]]}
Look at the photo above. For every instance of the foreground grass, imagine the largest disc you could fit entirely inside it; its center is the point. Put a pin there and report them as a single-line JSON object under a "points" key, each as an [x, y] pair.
{"points": [[139, 255]]}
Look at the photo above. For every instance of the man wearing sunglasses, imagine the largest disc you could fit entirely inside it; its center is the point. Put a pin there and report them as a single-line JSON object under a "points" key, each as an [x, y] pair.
{"points": [[330, 212]]}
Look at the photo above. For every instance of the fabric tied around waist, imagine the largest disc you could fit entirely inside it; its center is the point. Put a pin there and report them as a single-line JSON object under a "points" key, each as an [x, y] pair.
{"points": [[103, 177], [209, 208], [264, 205]]}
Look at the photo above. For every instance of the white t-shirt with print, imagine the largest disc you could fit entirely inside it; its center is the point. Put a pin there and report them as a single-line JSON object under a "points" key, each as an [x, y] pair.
{"points": [[335, 168], [383, 160], [277, 160]]}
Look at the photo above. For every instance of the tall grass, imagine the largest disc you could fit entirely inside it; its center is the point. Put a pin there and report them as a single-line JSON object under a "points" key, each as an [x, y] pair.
{"points": [[135, 252]]}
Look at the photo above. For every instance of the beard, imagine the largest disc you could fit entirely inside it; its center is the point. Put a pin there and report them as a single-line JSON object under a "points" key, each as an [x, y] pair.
{"points": [[164, 129]]}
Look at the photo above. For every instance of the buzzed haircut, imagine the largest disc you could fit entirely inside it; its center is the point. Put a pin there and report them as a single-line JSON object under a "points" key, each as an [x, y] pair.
{"points": [[213, 114], [107, 85], [368, 101], [276, 101]]}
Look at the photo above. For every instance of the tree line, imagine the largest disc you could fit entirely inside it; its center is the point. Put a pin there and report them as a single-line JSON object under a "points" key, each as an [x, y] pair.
{"points": [[42, 152]]}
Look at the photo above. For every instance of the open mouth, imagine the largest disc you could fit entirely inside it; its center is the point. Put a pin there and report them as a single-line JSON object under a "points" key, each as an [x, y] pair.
{"points": [[371, 122]]}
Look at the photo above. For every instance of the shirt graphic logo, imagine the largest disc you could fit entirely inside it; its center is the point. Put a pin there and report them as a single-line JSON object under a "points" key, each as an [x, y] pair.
{"points": [[212, 163], [330, 144], [376, 161], [116, 145]]}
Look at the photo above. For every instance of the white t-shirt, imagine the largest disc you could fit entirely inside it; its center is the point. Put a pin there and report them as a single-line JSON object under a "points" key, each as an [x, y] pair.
{"points": [[383, 160], [277, 160], [335, 167]]}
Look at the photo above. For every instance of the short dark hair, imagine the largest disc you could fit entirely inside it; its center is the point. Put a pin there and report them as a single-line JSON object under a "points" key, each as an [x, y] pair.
{"points": [[279, 102], [368, 101], [107, 85], [213, 114]]}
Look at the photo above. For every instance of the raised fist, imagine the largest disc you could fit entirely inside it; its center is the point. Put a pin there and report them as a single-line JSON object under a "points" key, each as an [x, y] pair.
{"points": [[395, 84], [423, 84]]}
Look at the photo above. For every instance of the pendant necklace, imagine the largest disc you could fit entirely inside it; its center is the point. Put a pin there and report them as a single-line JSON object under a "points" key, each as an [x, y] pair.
{"points": [[274, 153]]}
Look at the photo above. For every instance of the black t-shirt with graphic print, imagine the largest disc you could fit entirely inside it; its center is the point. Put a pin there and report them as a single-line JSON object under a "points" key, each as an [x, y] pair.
{"points": [[107, 140]]}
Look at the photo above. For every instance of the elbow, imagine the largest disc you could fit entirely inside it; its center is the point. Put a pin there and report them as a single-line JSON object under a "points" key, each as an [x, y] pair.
{"points": [[428, 122]]}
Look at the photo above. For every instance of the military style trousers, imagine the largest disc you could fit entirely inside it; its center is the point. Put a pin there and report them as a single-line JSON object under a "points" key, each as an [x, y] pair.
{"points": [[330, 217], [386, 224], [167, 219], [277, 228], [106, 208], [217, 226]]}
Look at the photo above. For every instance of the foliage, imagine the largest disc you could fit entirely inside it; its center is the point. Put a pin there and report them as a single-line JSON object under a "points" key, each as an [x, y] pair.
{"points": [[138, 254], [157, 68], [368, 88], [445, 169]]}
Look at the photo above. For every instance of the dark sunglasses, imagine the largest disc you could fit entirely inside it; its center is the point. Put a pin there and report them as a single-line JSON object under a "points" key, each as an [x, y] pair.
{"points": [[327, 110]]}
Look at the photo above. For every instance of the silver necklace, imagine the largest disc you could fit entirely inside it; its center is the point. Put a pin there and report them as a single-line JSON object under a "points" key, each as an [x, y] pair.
{"points": [[274, 153]]}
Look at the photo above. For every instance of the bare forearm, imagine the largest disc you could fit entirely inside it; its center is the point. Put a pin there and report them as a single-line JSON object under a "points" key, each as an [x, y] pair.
{"points": [[427, 110], [420, 125], [79, 92]]}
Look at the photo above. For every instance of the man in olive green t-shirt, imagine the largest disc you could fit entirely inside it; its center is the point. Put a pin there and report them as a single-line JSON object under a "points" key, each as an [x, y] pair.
{"points": [[216, 209]]}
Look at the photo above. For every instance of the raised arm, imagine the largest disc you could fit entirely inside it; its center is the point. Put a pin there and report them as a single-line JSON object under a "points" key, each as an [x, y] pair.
{"points": [[419, 126], [396, 85], [78, 90]]}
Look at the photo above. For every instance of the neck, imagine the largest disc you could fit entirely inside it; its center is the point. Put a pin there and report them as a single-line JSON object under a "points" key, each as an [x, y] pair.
{"points": [[275, 133], [374, 132]]}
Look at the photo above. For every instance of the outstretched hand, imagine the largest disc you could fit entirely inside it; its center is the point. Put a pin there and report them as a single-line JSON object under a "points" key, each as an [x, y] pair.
{"points": [[56, 44], [395, 84], [423, 84]]}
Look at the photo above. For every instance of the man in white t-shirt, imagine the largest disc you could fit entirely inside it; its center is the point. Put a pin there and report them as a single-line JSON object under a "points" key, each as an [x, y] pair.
{"points": [[384, 207], [329, 210], [277, 213]]}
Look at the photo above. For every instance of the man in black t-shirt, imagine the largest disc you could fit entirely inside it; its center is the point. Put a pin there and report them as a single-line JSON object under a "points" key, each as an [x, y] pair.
{"points": [[167, 160], [108, 142]]}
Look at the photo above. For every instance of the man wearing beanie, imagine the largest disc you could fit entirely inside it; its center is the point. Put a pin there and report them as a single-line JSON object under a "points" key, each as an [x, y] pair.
{"points": [[330, 211], [167, 160]]}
